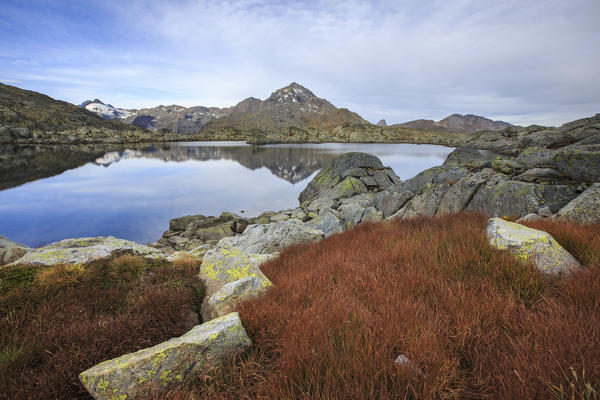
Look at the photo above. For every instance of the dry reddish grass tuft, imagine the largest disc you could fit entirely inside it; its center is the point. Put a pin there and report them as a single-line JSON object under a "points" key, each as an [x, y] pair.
{"points": [[475, 321], [57, 321]]}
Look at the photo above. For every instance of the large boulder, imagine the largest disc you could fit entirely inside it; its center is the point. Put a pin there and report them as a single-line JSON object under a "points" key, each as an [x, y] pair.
{"points": [[226, 264], [224, 300], [273, 237], [149, 372], [11, 251], [223, 266], [585, 208], [346, 176], [533, 245], [84, 250]]}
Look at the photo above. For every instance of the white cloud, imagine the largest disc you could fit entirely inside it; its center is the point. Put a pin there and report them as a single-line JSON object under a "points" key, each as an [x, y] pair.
{"points": [[526, 61]]}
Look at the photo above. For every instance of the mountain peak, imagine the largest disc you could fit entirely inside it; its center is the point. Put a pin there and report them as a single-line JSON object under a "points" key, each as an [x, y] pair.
{"points": [[292, 93], [85, 103]]}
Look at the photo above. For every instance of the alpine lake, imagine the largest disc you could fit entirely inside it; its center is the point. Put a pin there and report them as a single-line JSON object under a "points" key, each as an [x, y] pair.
{"points": [[50, 193]]}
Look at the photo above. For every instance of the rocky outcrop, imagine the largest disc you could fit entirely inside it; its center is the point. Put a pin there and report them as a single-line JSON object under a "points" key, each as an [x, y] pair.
{"points": [[475, 181], [532, 245], [584, 209], [11, 251], [84, 250], [580, 135], [150, 372], [347, 176], [29, 117], [193, 231]]}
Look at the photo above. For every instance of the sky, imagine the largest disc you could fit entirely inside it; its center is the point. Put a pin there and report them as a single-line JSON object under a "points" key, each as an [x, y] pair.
{"points": [[525, 62]]}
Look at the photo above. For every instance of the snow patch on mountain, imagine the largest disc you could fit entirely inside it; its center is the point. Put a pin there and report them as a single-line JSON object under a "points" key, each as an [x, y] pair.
{"points": [[106, 111]]}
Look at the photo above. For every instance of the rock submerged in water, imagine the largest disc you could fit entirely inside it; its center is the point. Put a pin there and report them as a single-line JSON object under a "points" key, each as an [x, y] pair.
{"points": [[149, 372], [84, 250], [533, 245]]}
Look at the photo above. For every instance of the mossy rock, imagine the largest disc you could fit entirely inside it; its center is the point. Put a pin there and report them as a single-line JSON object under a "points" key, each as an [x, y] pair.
{"points": [[584, 209], [532, 245], [150, 372]]}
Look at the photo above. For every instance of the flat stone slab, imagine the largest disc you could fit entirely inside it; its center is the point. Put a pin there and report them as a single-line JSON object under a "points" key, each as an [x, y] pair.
{"points": [[83, 250], [533, 245], [149, 372]]}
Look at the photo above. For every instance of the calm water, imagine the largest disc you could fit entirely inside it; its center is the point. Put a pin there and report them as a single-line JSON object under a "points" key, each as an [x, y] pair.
{"points": [[132, 193]]}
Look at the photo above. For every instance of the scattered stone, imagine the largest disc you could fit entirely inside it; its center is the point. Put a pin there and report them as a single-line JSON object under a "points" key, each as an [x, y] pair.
{"points": [[150, 372], [191, 231], [584, 209], [529, 244], [404, 362], [84, 250]]}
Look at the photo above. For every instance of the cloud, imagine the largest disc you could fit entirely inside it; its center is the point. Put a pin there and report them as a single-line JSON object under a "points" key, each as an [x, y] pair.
{"points": [[524, 61]]}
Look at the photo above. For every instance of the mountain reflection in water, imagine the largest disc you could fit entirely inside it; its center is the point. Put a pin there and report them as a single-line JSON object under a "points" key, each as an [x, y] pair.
{"points": [[132, 191]]}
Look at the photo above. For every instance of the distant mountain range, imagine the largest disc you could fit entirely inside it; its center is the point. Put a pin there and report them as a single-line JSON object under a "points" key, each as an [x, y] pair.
{"points": [[291, 106], [292, 114]]}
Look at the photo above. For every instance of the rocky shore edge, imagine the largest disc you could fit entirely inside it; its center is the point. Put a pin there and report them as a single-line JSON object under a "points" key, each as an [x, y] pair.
{"points": [[536, 183]]}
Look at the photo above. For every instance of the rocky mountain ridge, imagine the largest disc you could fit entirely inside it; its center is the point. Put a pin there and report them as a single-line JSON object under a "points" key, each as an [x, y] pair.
{"points": [[468, 123], [291, 106], [31, 117]]}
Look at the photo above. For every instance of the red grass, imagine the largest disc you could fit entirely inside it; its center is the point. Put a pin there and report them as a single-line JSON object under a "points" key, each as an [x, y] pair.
{"points": [[58, 321], [477, 323]]}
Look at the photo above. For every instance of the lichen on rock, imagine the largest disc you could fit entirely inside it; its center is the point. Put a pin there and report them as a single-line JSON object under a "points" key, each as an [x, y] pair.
{"points": [[532, 245], [149, 372]]}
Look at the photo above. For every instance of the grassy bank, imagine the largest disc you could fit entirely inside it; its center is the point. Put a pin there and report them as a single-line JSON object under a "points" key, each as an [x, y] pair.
{"points": [[475, 322], [57, 321]]}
